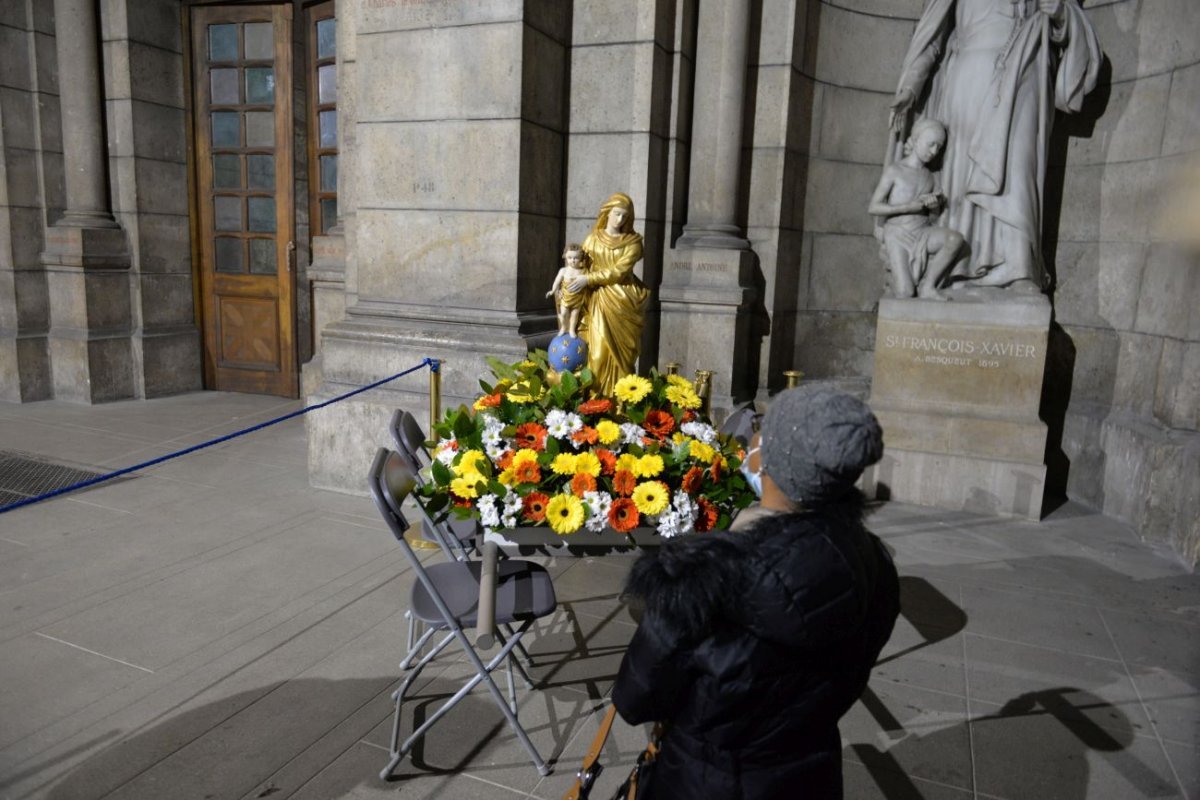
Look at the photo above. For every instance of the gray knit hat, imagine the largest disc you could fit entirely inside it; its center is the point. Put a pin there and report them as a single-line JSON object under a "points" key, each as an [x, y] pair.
{"points": [[816, 442]]}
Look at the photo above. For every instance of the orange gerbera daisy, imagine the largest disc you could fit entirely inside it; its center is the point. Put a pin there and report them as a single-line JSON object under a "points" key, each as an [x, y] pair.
{"points": [[608, 461], [505, 460], [692, 479], [582, 482], [531, 436], [624, 482], [659, 424], [706, 517], [488, 401], [527, 472], [535, 506], [461, 502], [689, 416], [717, 469], [599, 405], [623, 515], [585, 435]]}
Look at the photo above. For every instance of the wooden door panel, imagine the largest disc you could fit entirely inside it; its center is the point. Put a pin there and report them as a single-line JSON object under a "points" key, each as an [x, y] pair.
{"points": [[242, 101], [249, 333]]}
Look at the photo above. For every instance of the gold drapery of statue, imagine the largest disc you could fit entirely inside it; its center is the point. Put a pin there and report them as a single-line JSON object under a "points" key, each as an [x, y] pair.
{"points": [[615, 311]]}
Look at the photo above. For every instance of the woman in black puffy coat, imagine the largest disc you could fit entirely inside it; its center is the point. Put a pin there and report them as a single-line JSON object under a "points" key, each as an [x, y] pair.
{"points": [[754, 643]]}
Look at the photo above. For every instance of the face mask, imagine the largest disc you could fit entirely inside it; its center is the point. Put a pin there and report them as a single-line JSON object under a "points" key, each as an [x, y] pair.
{"points": [[752, 478]]}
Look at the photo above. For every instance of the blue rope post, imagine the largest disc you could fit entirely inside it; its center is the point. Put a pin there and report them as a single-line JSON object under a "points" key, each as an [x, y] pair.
{"points": [[427, 362]]}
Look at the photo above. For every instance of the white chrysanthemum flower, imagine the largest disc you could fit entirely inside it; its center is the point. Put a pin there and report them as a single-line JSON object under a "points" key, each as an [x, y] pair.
{"points": [[512, 504], [599, 503], [555, 416], [559, 429], [574, 422], [446, 451], [699, 430], [631, 434], [596, 523], [494, 451], [668, 524], [508, 521], [489, 515]]}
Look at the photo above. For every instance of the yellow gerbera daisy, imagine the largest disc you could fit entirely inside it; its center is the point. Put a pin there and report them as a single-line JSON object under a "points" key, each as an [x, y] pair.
{"points": [[506, 477], [564, 513], [523, 455], [652, 497], [465, 486], [648, 466], [589, 463], [632, 388], [520, 394], [702, 452], [627, 462], [607, 431], [471, 461], [679, 380], [683, 397], [563, 464]]}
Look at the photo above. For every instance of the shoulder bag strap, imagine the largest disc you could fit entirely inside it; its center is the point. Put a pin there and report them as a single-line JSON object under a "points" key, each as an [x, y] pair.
{"points": [[588, 772]]}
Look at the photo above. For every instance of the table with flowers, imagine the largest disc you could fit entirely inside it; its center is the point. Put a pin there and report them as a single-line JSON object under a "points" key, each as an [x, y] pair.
{"points": [[540, 458]]}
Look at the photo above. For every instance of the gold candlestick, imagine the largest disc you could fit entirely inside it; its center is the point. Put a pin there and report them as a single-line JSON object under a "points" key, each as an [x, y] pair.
{"points": [[793, 377], [673, 368], [704, 389]]}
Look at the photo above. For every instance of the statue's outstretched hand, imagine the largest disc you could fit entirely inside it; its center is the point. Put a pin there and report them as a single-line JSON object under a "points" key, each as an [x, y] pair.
{"points": [[901, 103], [550, 294]]}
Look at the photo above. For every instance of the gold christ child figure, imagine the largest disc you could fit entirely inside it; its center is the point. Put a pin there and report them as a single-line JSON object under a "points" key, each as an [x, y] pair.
{"points": [[576, 263]]}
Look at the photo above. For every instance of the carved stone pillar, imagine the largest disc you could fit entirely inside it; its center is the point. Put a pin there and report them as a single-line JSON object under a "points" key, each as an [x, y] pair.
{"points": [[707, 290], [86, 256]]}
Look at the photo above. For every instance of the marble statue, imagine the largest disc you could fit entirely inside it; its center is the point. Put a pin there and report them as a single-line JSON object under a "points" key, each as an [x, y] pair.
{"points": [[917, 252], [576, 263], [993, 71], [613, 314]]}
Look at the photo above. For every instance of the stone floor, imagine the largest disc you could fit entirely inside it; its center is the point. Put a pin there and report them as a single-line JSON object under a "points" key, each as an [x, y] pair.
{"points": [[214, 628]]}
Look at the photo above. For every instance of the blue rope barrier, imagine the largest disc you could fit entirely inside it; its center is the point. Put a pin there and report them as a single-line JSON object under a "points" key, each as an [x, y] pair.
{"points": [[428, 362]]}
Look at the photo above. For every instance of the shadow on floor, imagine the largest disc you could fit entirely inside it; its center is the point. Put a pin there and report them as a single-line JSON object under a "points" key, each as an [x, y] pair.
{"points": [[1040, 744]]}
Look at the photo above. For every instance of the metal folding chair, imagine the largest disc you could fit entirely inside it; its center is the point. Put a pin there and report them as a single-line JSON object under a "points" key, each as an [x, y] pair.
{"points": [[487, 595], [459, 534], [742, 422]]}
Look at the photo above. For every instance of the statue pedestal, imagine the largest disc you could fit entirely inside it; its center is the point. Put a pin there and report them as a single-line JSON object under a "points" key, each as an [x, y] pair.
{"points": [[957, 388]]}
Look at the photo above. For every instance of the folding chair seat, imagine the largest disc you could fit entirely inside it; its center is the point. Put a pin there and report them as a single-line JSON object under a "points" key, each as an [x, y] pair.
{"points": [[410, 443], [741, 422], [489, 595]]}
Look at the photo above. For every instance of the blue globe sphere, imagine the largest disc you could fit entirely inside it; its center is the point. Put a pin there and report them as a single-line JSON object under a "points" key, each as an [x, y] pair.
{"points": [[567, 353]]}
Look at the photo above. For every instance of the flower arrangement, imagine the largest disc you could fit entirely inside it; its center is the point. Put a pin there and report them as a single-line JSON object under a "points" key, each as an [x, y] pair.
{"points": [[538, 448]]}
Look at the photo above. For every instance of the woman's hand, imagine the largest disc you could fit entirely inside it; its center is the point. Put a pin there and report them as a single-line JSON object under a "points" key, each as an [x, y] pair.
{"points": [[1053, 9], [578, 284]]}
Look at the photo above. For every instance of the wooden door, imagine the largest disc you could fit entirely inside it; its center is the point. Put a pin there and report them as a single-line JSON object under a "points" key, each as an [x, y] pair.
{"points": [[242, 108]]}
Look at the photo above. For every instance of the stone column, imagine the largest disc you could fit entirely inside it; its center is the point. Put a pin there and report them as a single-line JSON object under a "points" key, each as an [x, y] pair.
{"points": [[86, 256], [457, 203], [328, 270], [707, 290]]}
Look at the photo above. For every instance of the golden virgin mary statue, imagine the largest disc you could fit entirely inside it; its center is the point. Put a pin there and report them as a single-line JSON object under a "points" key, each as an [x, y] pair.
{"points": [[614, 313]]}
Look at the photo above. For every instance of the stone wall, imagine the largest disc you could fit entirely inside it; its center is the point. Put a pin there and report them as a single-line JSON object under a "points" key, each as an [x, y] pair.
{"points": [[31, 194], [144, 98], [1125, 392]]}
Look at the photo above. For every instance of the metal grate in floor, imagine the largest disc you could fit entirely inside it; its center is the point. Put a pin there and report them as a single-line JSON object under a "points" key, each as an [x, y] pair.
{"points": [[23, 475]]}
